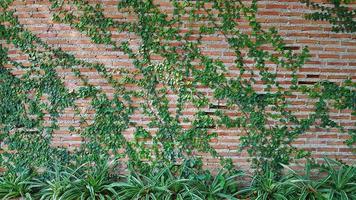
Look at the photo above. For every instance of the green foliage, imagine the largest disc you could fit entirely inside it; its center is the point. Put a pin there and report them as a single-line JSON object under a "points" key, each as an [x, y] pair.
{"points": [[305, 183], [220, 186], [15, 184], [267, 186], [90, 183], [39, 95], [316, 182], [173, 183], [341, 181], [159, 183], [94, 182], [340, 97], [53, 185], [336, 12], [329, 181]]}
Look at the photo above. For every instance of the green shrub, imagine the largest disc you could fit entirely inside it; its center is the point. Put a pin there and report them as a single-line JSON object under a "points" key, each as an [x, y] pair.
{"points": [[220, 186], [15, 184], [335, 180], [268, 185], [158, 183], [340, 182], [330, 181], [89, 182], [53, 184], [306, 186], [172, 182]]}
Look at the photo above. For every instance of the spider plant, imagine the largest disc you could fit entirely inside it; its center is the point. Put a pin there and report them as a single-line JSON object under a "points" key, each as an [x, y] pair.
{"points": [[221, 186], [266, 186], [156, 184], [89, 183], [341, 184], [15, 184], [53, 186], [306, 186]]}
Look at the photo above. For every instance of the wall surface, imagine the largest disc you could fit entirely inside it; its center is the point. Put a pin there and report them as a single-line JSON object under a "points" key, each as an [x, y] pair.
{"points": [[333, 58]]}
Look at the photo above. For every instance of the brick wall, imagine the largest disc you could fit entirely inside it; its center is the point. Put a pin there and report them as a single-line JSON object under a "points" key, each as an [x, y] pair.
{"points": [[333, 58]]}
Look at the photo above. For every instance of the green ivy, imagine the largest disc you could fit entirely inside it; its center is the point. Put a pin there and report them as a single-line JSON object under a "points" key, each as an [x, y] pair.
{"points": [[336, 12], [268, 125]]}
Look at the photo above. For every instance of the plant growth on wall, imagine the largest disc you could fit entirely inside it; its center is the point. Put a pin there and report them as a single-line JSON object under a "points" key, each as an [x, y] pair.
{"points": [[339, 13], [31, 103]]}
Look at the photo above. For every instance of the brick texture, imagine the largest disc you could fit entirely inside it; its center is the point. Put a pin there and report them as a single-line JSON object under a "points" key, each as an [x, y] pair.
{"points": [[333, 58]]}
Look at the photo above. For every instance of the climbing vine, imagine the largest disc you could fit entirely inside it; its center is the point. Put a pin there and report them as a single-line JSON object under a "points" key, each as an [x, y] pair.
{"points": [[342, 18], [337, 12], [38, 96]]}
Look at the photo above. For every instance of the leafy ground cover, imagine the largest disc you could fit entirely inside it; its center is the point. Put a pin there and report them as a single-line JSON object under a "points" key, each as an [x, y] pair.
{"points": [[330, 181]]}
